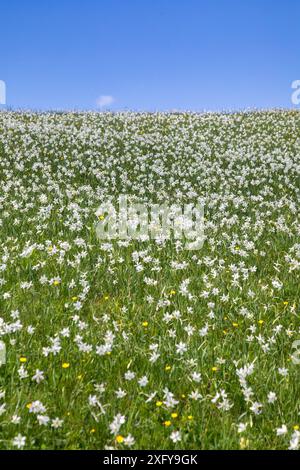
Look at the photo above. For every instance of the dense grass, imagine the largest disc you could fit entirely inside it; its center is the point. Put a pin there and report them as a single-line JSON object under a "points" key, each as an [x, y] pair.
{"points": [[64, 294]]}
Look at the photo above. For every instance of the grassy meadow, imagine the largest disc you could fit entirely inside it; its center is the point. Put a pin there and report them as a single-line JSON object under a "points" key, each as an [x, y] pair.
{"points": [[143, 344]]}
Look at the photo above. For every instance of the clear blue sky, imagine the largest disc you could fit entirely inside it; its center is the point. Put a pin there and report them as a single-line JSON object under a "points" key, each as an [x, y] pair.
{"points": [[149, 54]]}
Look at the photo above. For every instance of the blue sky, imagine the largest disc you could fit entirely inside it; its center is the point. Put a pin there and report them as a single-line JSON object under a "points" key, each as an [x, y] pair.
{"points": [[149, 54]]}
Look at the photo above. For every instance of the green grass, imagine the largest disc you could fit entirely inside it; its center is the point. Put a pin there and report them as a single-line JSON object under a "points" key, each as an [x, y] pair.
{"points": [[55, 171]]}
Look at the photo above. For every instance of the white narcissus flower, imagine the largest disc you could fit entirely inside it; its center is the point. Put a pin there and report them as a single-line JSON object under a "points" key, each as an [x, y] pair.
{"points": [[281, 431], [120, 393], [2, 409], [57, 423], [143, 381], [272, 397], [196, 377], [181, 348], [38, 377], [15, 419], [129, 375], [19, 441], [117, 423], [175, 436], [43, 420], [129, 440], [242, 427], [294, 442]]}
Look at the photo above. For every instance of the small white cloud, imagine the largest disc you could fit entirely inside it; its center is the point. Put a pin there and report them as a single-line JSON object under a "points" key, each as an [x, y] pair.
{"points": [[105, 100]]}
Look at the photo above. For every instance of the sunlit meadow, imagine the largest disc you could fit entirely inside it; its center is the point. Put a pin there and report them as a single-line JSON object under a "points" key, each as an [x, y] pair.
{"points": [[144, 344]]}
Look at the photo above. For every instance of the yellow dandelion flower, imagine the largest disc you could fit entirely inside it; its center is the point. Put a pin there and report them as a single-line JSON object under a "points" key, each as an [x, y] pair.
{"points": [[23, 359], [145, 324], [159, 403], [65, 365], [174, 415], [167, 367], [167, 423], [120, 439], [214, 369]]}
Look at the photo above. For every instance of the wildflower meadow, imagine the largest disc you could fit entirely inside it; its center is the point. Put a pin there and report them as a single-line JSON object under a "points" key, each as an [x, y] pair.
{"points": [[140, 342]]}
